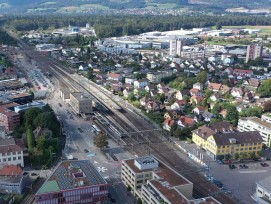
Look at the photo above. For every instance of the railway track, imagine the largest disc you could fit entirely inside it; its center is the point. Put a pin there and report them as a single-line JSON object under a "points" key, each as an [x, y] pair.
{"points": [[140, 144]]}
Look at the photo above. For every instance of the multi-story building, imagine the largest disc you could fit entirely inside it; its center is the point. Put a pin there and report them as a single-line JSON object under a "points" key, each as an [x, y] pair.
{"points": [[80, 103], [266, 117], [73, 182], [175, 47], [220, 140], [155, 77], [13, 180], [10, 152], [154, 182], [21, 98], [263, 191], [256, 124], [254, 51], [9, 119]]}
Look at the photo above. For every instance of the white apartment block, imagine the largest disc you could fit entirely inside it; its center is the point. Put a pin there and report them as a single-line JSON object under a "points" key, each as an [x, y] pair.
{"points": [[256, 124], [155, 183], [11, 153], [156, 77], [263, 191]]}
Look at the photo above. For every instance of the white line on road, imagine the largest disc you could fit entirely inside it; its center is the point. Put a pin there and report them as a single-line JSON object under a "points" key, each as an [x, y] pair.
{"points": [[251, 172]]}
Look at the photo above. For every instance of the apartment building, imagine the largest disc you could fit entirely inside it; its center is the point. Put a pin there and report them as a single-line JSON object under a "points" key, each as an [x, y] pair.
{"points": [[175, 47], [10, 152], [155, 183], [220, 140], [256, 124], [13, 179], [8, 118], [254, 51], [266, 117], [80, 103], [73, 182], [263, 191], [155, 77]]}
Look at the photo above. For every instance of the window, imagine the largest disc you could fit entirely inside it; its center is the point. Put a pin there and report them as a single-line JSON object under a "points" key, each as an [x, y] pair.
{"points": [[19, 157], [14, 158], [4, 160], [9, 159]]}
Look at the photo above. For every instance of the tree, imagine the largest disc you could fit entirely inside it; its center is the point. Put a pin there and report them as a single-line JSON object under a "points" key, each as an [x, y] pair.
{"points": [[236, 156], [90, 74], [265, 88], [30, 139], [138, 201], [100, 141], [182, 133], [129, 189], [202, 77], [218, 25], [173, 128], [29, 116], [227, 156], [267, 106], [216, 108], [252, 155], [244, 155]]}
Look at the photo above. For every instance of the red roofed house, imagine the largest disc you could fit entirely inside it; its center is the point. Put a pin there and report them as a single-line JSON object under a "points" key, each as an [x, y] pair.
{"points": [[195, 92], [13, 180], [113, 76], [185, 121], [167, 124], [196, 99], [215, 87], [243, 72], [199, 110]]}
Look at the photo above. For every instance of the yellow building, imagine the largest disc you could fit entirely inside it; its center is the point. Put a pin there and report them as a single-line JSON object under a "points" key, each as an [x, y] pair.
{"points": [[221, 139]]}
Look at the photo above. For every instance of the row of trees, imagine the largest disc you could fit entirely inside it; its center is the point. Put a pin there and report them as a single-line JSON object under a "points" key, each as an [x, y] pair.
{"points": [[107, 26]]}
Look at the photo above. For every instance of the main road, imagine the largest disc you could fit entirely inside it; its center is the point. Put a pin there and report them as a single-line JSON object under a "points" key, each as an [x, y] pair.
{"points": [[142, 138]]}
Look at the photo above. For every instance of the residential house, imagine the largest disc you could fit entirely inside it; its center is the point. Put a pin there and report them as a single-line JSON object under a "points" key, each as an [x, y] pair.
{"points": [[237, 92], [129, 80], [114, 77], [126, 92], [178, 105], [11, 72], [150, 87], [223, 113], [180, 94], [142, 83], [154, 106], [225, 89], [195, 92], [220, 139], [38, 132], [248, 97], [185, 121], [153, 93], [242, 72], [143, 101], [13, 180], [215, 97], [199, 110], [207, 116], [198, 86], [168, 123], [172, 114], [196, 99], [215, 87]]}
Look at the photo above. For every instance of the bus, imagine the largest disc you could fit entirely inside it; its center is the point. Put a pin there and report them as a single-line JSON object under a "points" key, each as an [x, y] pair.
{"points": [[96, 129]]}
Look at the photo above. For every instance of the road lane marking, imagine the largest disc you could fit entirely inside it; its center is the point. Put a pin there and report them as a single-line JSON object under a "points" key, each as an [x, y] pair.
{"points": [[251, 172]]}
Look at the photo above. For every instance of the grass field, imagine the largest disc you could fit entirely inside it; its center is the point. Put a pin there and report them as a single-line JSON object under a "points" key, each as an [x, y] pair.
{"points": [[264, 29]]}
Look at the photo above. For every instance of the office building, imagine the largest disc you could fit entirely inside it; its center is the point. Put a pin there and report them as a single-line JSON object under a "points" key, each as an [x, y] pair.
{"points": [[263, 191], [220, 140], [256, 124], [154, 182], [176, 47], [254, 51], [80, 103], [11, 152], [73, 182]]}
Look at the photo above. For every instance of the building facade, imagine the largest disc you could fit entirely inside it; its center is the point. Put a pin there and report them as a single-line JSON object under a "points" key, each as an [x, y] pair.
{"points": [[73, 182], [10, 152], [220, 140], [256, 124], [9, 119], [80, 103], [175, 47], [254, 51]]}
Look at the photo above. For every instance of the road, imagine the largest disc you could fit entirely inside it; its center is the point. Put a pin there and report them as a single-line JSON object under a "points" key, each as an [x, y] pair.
{"points": [[141, 144]]}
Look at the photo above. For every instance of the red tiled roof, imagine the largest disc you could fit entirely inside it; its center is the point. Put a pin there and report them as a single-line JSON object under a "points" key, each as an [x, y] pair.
{"points": [[10, 70], [194, 90], [113, 75], [201, 108], [7, 112], [169, 122], [242, 71], [181, 102], [187, 121], [11, 170], [214, 86]]}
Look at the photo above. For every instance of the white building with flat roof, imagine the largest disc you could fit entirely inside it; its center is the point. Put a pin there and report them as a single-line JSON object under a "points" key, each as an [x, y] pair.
{"points": [[35, 104], [263, 191]]}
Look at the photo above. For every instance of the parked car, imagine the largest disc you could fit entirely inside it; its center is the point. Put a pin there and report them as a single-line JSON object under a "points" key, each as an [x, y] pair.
{"points": [[263, 164], [243, 166], [232, 166], [218, 183], [86, 151]]}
